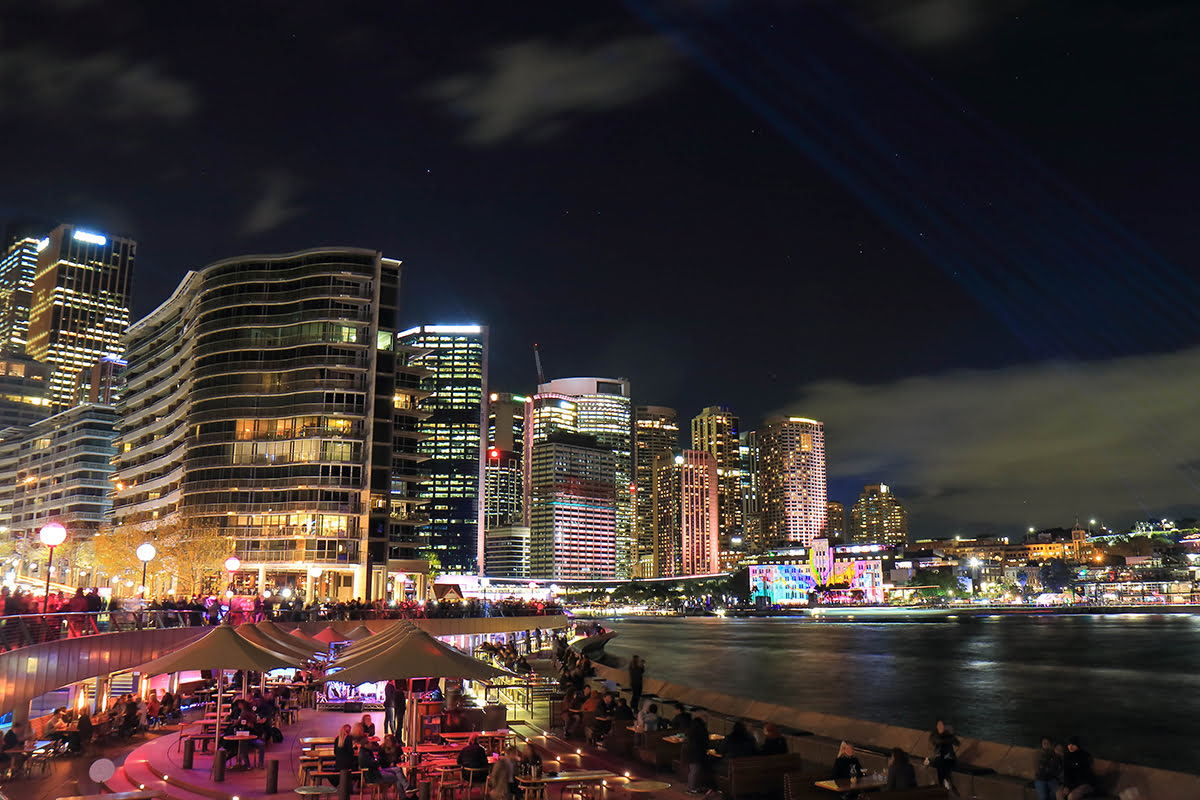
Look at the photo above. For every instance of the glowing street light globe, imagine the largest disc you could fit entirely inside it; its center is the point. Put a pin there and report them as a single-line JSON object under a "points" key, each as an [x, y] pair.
{"points": [[315, 572], [232, 564], [146, 552], [52, 535]]}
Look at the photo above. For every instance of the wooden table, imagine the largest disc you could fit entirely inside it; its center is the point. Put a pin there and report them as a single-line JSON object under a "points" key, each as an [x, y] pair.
{"points": [[867, 783], [243, 753], [315, 791], [647, 788], [572, 776]]}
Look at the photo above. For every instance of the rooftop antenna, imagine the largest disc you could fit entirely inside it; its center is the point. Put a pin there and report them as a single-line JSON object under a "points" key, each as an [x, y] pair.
{"points": [[537, 359]]}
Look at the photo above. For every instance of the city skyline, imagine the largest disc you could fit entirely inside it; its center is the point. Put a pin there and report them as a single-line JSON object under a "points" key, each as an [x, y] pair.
{"points": [[980, 239]]}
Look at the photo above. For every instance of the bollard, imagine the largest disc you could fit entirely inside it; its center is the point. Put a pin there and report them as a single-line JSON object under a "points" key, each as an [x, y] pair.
{"points": [[424, 790], [272, 775], [344, 785], [218, 767], [189, 753]]}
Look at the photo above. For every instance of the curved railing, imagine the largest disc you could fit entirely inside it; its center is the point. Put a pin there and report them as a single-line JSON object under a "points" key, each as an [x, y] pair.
{"points": [[26, 630]]}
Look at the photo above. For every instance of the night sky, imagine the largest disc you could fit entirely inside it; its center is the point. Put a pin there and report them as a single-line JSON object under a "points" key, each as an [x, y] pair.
{"points": [[960, 232]]}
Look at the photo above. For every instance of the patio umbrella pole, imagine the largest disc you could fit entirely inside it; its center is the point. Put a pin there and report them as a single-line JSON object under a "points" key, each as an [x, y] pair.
{"points": [[217, 727]]}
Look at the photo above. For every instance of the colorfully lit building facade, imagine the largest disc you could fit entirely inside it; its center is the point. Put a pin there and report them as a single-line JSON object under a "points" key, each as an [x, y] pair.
{"points": [[878, 516], [792, 480], [655, 431], [79, 307], [716, 430], [260, 402], [686, 506], [573, 512], [603, 410], [456, 359], [839, 573]]}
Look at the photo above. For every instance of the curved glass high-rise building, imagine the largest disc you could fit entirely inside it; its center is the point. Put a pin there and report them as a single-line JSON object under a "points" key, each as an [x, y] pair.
{"points": [[264, 400]]}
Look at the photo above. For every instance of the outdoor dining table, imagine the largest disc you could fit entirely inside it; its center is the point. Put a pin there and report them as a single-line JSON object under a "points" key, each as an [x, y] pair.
{"points": [[570, 776], [243, 739], [866, 783]]}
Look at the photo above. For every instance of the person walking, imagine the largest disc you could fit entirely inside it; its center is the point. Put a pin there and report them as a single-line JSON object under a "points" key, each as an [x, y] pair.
{"points": [[695, 749], [944, 758], [637, 673], [1047, 771]]}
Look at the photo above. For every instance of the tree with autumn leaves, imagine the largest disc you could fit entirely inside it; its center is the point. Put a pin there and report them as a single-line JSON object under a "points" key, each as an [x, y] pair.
{"points": [[190, 553]]}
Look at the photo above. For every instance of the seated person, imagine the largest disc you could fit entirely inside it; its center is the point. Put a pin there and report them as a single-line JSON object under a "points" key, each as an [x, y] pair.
{"points": [[900, 772], [739, 743], [773, 742], [12, 744], [846, 765], [55, 726], [648, 721], [368, 726], [368, 759], [473, 756], [529, 758], [623, 712]]}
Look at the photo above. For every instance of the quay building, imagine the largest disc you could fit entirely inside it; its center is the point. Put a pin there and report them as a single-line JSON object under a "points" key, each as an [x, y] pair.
{"points": [[266, 400]]}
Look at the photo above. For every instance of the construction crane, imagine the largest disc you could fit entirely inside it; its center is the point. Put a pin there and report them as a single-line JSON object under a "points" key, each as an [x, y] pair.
{"points": [[537, 359]]}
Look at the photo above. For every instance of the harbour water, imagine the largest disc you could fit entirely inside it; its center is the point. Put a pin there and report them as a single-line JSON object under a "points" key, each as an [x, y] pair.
{"points": [[1128, 684]]}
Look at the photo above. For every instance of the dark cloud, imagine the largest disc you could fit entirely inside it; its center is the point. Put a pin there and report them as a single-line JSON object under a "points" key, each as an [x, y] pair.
{"points": [[532, 89], [276, 203], [935, 23], [111, 85], [1040, 444]]}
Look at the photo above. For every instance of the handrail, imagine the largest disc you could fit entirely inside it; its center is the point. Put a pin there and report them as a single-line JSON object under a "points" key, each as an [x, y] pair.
{"points": [[25, 630]]}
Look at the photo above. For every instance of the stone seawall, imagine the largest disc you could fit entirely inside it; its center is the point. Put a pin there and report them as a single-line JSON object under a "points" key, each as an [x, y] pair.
{"points": [[1012, 766]]}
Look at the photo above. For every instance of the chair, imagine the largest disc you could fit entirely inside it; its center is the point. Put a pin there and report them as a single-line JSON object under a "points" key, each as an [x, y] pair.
{"points": [[452, 783]]}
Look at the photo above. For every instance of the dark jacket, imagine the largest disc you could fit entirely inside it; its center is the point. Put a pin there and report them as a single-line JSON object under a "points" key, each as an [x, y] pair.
{"points": [[473, 756], [846, 767], [943, 745], [900, 777], [1049, 766], [737, 747], [774, 746], [343, 755], [1077, 769], [368, 762]]}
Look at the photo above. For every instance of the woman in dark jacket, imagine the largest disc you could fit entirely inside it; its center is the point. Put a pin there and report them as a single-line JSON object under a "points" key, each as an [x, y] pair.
{"points": [[846, 765], [343, 752], [900, 772], [739, 743]]}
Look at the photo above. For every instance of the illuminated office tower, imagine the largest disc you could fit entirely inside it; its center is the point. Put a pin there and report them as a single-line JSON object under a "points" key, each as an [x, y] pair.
{"points": [[751, 501], [792, 481], [686, 511], [573, 514], [549, 413], [836, 521], [456, 359], [505, 473], [17, 269], [80, 304], [655, 431], [603, 410], [878, 517], [24, 386], [715, 430], [260, 405]]}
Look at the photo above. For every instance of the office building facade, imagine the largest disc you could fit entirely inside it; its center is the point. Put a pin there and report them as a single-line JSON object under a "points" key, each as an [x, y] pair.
{"points": [[506, 477], [752, 531], [260, 402], [686, 514], [24, 389], [79, 305], [603, 409], [455, 357], [655, 431], [506, 552], [573, 513], [835, 514], [716, 430], [17, 268], [878, 517], [792, 479]]}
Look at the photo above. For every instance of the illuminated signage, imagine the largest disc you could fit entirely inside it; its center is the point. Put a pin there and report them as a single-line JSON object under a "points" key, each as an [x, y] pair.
{"points": [[90, 238]]}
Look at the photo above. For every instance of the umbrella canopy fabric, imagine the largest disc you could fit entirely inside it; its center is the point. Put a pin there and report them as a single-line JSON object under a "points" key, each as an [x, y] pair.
{"points": [[221, 649], [358, 633], [350, 657], [323, 647], [277, 634], [400, 628], [329, 636], [417, 655], [249, 630]]}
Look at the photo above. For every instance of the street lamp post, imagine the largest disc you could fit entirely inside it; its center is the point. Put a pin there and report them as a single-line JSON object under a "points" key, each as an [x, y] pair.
{"points": [[52, 535], [145, 553]]}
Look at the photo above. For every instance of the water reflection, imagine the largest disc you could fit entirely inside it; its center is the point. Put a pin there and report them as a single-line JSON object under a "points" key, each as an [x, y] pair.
{"points": [[1124, 683]]}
